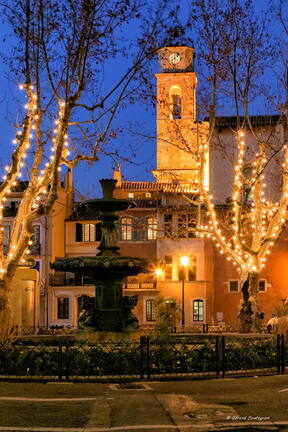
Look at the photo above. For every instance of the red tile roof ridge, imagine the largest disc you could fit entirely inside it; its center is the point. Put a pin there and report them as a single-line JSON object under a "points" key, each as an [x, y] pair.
{"points": [[165, 187]]}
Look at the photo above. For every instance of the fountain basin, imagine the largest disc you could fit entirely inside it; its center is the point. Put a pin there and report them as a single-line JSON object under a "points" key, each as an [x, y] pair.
{"points": [[100, 266], [109, 205]]}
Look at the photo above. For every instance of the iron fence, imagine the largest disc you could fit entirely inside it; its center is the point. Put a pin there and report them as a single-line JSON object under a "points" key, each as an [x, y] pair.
{"points": [[196, 329], [175, 357]]}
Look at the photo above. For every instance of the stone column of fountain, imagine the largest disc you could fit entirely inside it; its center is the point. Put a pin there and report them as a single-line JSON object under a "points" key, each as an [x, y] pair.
{"points": [[109, 311]]}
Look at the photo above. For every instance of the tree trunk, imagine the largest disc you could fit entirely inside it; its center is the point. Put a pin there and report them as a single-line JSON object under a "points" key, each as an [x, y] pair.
{"points": [[5, 311], [249, 318]]}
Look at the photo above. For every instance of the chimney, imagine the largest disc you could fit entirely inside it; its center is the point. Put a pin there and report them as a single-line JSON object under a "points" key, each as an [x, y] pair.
{"points": [[68, 179], [117, 175]]}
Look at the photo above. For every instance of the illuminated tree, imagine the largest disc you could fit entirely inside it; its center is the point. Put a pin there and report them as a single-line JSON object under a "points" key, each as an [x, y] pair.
{"points": [[60, 58], [235, 55]]}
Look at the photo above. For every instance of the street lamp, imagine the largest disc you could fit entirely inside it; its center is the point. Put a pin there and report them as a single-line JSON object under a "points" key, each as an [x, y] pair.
{"points": [[158, 273], [184, 261]]}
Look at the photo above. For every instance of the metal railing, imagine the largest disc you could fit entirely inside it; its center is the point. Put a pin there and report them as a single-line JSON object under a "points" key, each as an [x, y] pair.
{"points": [[176, 357]]}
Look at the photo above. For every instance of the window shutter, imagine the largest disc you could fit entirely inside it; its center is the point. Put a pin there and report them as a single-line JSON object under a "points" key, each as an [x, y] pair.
{"points": [[98, 232], [77, 279], [78, 232]]}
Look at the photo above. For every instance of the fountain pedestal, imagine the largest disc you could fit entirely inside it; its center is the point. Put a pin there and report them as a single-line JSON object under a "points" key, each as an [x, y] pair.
{"points": [[110, 311]]}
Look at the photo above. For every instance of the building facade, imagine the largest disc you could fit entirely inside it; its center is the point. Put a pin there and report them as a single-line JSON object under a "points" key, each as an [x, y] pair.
{"points": [[161, 225], [29, 298]]}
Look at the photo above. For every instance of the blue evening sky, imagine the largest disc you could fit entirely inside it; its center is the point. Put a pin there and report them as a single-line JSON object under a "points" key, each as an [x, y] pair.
{"points": [[135, 117]]}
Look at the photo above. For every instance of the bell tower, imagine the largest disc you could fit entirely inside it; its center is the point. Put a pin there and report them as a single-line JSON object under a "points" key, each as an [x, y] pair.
{"points": [[178, 137]]}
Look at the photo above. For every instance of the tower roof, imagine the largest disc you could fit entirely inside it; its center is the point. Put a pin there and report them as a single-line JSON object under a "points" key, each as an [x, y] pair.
{"points": [[177, 35]]}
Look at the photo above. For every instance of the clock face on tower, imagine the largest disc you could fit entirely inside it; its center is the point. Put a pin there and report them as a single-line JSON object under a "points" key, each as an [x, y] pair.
{"points": [[174, 58]]}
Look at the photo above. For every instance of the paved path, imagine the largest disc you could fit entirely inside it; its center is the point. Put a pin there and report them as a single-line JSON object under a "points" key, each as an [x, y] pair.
{"points": [[183, 406]]}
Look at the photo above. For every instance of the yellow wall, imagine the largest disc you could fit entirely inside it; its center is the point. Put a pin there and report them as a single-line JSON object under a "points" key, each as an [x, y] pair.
{"points": [[25, 298]]}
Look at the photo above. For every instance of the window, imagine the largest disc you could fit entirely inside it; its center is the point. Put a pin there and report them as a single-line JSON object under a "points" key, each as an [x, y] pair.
{"points": [[147, 194], [168, 225], [36, 239], [150, 310], [175, 102], [192, 268], [233, 286], [37, 265], [89, 232], [190, 272], [151, 228], [131, 195], [186, 225], [262, 285], [10, 209], [36, 235], [63, 308], [168, 267], [88, 280], [198, 310], [176, 106], [126, 228]]}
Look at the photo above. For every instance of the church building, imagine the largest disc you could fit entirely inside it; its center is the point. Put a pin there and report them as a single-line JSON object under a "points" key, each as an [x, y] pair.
{"points": [[188, 270]]}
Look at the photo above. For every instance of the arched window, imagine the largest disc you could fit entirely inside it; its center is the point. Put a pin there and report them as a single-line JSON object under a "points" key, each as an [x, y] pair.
{"points": [[198, 310], [175, 102]]}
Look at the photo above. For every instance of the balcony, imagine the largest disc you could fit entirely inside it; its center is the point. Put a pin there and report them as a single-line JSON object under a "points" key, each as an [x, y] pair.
{"points": [[61, 279], [140, 286]]}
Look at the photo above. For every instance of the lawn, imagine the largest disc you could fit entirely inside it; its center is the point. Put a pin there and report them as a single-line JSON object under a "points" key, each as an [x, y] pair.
{"points": [[44, 414], [64, 414], [51, 390]]}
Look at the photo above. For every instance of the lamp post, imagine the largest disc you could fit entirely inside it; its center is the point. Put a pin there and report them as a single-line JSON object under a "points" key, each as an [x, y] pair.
{"points": [[184, 261]]}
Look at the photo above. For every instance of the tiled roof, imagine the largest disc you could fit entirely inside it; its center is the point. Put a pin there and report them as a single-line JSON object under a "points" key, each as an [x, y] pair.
{"points": [[161, 187], [147, 203], [83, 212], [258, 120]]}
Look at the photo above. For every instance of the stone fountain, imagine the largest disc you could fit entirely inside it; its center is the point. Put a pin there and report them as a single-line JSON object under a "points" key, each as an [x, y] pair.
{"points": [[109, 311]]}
